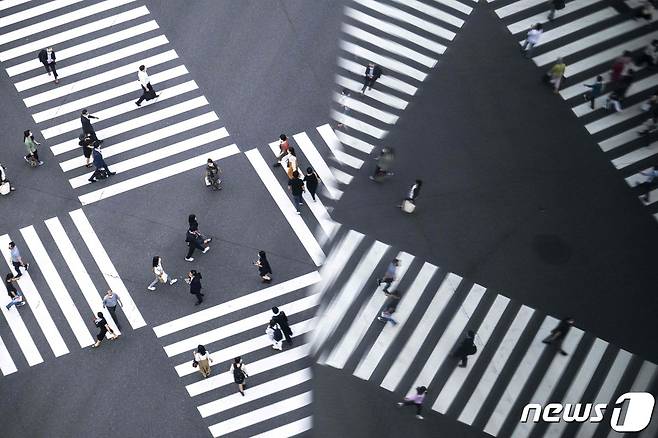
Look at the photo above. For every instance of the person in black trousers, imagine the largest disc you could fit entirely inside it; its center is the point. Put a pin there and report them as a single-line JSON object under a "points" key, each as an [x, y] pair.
{"points": [[558, 334], [466, 348], [148, 91], [281, 319], [87, 128], [47, 58], [373, 72], [311, 180], [195, 239], [194, 280], [264, 269]]}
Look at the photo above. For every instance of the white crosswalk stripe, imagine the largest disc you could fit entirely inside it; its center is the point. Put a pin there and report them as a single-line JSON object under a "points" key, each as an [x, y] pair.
{"points": [[590, 35]]}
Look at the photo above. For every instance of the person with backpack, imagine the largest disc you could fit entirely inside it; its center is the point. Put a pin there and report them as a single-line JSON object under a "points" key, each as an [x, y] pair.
{"points": [[416, 400], [466, 348], [275, 334], [555, 5], [47, 58], [239, 374]]}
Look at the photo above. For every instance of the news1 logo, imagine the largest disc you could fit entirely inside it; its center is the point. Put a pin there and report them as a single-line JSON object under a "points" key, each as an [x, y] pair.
{"points": [[637, 416]]}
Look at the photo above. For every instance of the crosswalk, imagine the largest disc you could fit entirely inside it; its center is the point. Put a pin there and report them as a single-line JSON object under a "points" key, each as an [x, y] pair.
{"points": [[61, 294], [172, 134], [590, 35], [511, 368], [278, 398]]}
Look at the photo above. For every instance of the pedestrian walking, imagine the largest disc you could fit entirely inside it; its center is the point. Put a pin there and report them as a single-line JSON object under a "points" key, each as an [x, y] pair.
{"points": [[290, 161], [87, 144], [264, 269], [110, 301], [296, 187], [5, 184], [31, 147], [409, 203], [275, 334], [384, 164], [648, 184], [102, 169], [283, 149], [160, 274], [202, 360], [556, 74], [389, 275], [281, 319], [649, 55], [103, 326], [558, 334], [194, 238], [212, 175], [613, 102], [16, 260], [416, 400], [532, 39], [311, 180], [148, 91], [15, 295], [342, 103], [645, 11], [194, 280], [555, 5], [619, 66], [466, 348], [625, 82], [87, 127], [596, 89], [239, 374], [387, 315], [47, 58], [373, 72]]}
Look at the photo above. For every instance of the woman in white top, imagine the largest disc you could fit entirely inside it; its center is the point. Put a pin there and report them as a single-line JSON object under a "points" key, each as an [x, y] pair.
{"points": [[160, 274], [532, 39], [290, 162], [203, 360], [239, 374]]}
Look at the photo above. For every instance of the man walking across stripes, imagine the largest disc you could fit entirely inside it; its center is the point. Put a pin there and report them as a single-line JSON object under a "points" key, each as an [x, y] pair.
{"points": [[110, 301], [389, 275], [145, 82]]}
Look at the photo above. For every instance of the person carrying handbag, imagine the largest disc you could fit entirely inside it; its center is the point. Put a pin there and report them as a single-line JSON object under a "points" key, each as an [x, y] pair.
{"points": [[160, 274], [202, 360], [5, 184], [274, 332]]}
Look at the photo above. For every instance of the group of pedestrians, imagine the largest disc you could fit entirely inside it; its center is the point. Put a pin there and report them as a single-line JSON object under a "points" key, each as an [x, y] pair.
{"points": [[278, 329], [298, 183]]}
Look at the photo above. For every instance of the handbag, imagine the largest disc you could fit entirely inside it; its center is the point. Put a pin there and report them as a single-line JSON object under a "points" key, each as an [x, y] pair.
{"points": [[408, 206], [195, 363], [5, 188]]}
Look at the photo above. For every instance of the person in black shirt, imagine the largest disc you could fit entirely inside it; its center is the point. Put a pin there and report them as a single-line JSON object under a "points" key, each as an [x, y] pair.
{"points": [[281, 319], [15, 295], [101, 323], [194, 280], [296, 187], [264, 269], [466, 348], [311, 180], [558, 334]]}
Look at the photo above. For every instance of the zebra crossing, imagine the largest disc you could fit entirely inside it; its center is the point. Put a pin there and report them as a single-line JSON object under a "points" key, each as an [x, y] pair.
{"points": [[511, 368], [99, 46], [589, 35], [278, 398], [61, 301]]}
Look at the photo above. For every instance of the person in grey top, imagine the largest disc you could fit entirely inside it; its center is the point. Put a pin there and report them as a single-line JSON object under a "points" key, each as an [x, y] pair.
{"points": [[110, 301], [17, 260], [389, 275]]}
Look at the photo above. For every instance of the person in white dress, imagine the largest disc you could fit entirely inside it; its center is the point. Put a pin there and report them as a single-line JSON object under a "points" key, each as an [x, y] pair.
{"points": [[160, 274]]}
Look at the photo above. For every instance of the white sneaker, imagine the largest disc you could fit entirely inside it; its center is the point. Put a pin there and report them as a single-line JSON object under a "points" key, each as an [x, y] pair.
{"points": [[420, 417], [173, 281], [206, 249], [151, 287], [189, 259], [400, 404]]}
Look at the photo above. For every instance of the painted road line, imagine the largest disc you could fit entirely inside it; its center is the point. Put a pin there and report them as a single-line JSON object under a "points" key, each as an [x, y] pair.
{"points": [[56, 285], [260, 366], [35, 11], [449, 337], [27, 31], [36, 305], [366, 109], [542, 17], [336, 147], [240, 326], [7, 365], [516, 7], [137, 122], [405, 17], [433, 12], [319, 165], [384, 61], [291, 429], [246, 347], [107, 268], [349, 292], [117, 110], [607, 391], [94, 62], [259, 415], [18, 329], [219, 310], [396, 31], [620, 139], [157, 175], [385, 98], [144, 139], [256, 392], [411, 348], [359, 125], [514, 387], [87, 46], [6, 4], [341, 177], [635, 156], [354, 142], [368, 312], [106, 76], [58, 38], [550, 378], [386, 80], [284, 203], [78, 269], [455, 5], [451, 387], [369, 362], [158, 154], [575, 26], [614, 118], [103, 96], [327, 225]]}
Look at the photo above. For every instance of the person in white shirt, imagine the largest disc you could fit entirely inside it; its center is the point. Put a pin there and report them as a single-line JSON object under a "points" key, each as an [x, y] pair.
{"points": [[532, 39], [203, 360], [145, 82], [160, 274]]}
